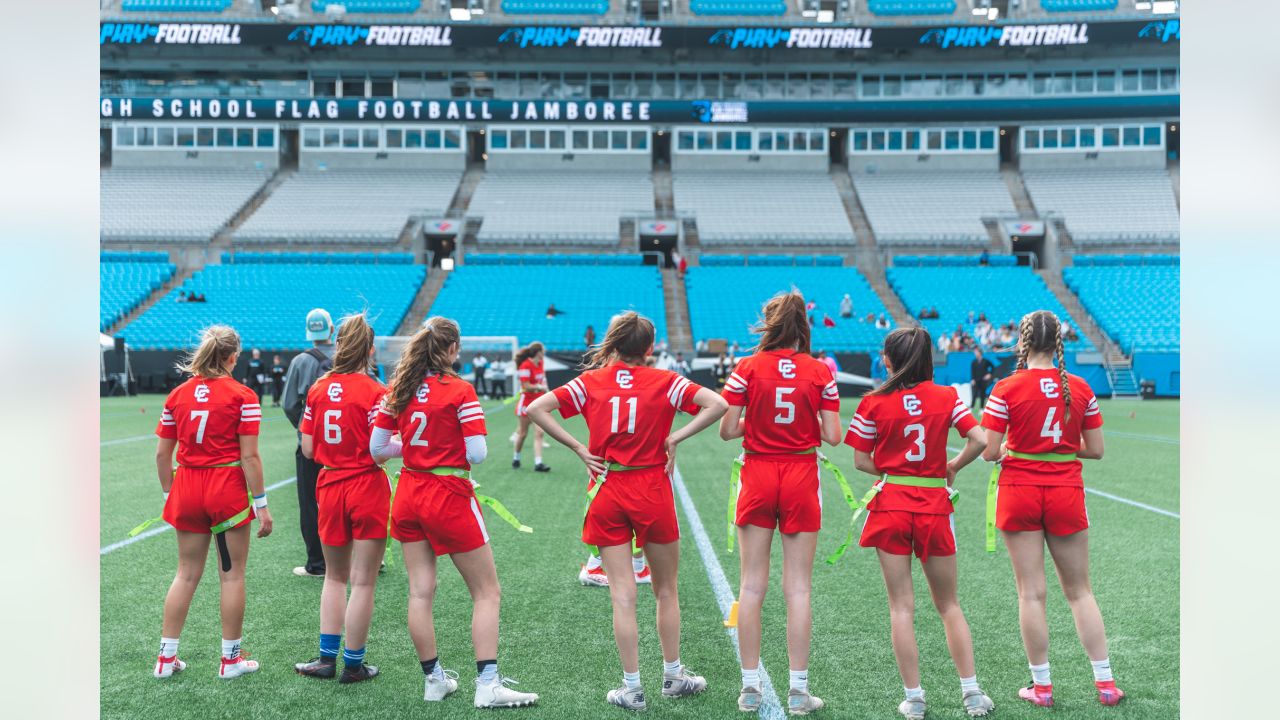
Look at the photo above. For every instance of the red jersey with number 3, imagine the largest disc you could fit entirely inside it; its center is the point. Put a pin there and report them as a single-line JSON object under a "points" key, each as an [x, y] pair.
{"points": [[782, 391], [339, 418], [434, 425], [207, 418], [628, 409], [1027, 406], [906, 433]]}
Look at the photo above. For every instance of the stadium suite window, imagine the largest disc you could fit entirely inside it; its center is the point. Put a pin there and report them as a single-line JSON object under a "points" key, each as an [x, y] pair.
{"points": [[204, 137], [311, 137], [413, 139], [555, 139], [599, 139], [537, 139], [350, 137], [432, 139], [764, 141], [1088, 137], [369, 138], [1030, 139], [164, 137], [145, 136], [1106, 81], [1169, 79], [684, 140], [724, 140], [934, 139], [497, 139], [640, 140], [124, 137], [1151, 135], [781, 142], [582, 140], [452, 139], [244, 138], [1049, 138], [1084, 82], [1129, 81], [1068, 136], [1131, 136], [225, 137], [1110, 137], [332, 137]]}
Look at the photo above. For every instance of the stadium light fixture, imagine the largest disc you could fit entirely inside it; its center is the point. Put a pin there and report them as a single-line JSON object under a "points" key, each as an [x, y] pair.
{"points": [[826, 16], [446, 264], [459, 14], [1164, 7], [1142, 6]]}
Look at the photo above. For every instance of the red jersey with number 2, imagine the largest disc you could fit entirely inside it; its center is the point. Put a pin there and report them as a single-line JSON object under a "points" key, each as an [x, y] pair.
{"points": [[628, 409], [435, 423], [782, 391], [207, 418], [1027, 406], [906, 433], [339, 416]]}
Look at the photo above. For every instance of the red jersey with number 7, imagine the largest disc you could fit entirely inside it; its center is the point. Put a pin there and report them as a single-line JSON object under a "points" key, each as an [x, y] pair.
{"points": [[628, 409], [207, 418], [339, 418], [782, 391], [1028, 407], [906, 433], [435, 423]]}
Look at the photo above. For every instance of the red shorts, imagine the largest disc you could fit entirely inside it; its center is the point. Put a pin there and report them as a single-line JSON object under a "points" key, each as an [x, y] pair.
{"points": [[427, 507], [203, 497], [899, 532], [633, 502], [524, 401], [354, 506], [1055, 509], [781, 493]]}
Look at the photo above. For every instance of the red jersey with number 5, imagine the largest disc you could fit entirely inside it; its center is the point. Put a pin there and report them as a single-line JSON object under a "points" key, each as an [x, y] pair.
{"points": [[628, 409], [906, 433], [1027, 406], [207, 418], [434, 425], [782, 391], [339, 417]]}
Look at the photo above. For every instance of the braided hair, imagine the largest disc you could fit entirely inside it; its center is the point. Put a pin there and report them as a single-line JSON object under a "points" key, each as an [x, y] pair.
{"points": [[1041, 332]]}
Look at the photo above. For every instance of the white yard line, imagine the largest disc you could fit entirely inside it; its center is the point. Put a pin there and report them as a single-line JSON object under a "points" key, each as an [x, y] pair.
{"points": [[152, 436], [772, 706], [157, 530]]}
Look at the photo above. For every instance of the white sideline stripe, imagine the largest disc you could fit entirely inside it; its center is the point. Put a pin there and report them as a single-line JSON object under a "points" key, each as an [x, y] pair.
{"points": [[166, 526], [152, 436], [771, 707], [1136, 436]]}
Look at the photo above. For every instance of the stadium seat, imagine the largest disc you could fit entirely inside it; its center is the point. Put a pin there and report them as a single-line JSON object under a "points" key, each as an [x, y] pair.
{"points": [[488, 300], [558, 207], [179, 6], [1108, 205], [268, 301], [738, 7], [763, 208], [555, 7], [938, 207], [173, 204], [1137, 304], [125, 280], [724, 302], [386, 7], [911, 7], [1077, 5]]}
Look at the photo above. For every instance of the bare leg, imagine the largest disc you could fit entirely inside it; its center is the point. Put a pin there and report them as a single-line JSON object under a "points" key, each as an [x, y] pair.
{"points": [[481, 575], [538, 439], [193, 550], [941, 574], [622, 591], [755, 545], [664, 564], [1071, 556], [902, 611], [366, 559], [233, 597], [522, 430], [420, 562], [798, 551], [333, 595], [1026, 552]]}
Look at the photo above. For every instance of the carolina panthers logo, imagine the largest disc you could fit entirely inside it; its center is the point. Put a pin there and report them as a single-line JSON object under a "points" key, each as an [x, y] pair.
{"points": [[335, 392], [1049, 387], [933, 37], [786, 368], [1165, 30], [302, 32], [911, 404], [701, 111], [623, 378], [202, 393]]}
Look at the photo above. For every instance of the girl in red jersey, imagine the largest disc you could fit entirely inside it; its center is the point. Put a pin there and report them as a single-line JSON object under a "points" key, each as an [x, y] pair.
{"points": [[785, 405], [899, 434], [629, 408], [435, 511], [213, 422], [354, 497], [533, 385], [1053, 421]]}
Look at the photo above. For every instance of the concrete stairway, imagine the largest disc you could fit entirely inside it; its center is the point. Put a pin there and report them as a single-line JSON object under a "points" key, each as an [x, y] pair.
{"points": [[664, 199], [466, 189], [423, 301], [1018, 191], [853, 206], [1071, 302], [628, 238], [679, 329], [873, 270], [224, 237], [179, 276]]}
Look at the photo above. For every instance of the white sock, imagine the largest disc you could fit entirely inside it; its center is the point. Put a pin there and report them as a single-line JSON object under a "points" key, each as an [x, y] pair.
{"points": [[751, 678], [168, 646], [517, 456], [1101, 668], [1040, 674], [231, 649], [968, 684], [593, 562], [631, 680], [537, 459], [915, 693], [637, 563], [671, 668], [800, 680]]}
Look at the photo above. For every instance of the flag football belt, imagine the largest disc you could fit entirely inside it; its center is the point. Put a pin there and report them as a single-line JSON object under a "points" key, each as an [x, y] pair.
{"points": [[358, 467], [993, 485], [220, 527], [498, 508], [595, 490], [735, 479], [861, 505]]}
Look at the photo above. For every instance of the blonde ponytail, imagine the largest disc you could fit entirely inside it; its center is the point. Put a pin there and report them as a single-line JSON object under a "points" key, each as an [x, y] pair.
{"points": [[217, 344]]}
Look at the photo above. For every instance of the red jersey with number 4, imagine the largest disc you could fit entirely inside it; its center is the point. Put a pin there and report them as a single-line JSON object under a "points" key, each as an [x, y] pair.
{"points": [[782, 391], [207, 418], [1027, 406], [906, 433], [339, 416], [532, 373], [628, 409], [434, 425]]}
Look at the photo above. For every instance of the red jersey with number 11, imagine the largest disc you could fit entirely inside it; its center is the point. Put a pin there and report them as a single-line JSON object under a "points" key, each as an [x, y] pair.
{"points": [[783, 391], [339, 417], [1028, 406]]}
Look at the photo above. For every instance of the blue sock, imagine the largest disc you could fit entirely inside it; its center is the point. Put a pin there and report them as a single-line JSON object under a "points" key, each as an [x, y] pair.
{"points": [[487, 670], [353, 658], [329, 645]]}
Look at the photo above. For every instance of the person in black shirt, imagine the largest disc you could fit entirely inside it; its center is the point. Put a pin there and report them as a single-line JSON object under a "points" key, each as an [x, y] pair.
{"points": [[277, 380], [981, 372]]}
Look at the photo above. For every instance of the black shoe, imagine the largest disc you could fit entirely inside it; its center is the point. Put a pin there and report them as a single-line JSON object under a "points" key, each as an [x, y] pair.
{"points": [[515, 464], [362, 672], [323, 668], [541, 468]]}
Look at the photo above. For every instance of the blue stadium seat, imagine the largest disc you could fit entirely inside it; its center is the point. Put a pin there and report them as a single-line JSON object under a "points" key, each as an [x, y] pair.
{"points": [[369, 6], [126, 279], [267, 301], [488, 300], [725, 301], [182, 6], [1138, 305], [738, 7], [1077, 5], [911, 7], [555, 7], [723, 260]]}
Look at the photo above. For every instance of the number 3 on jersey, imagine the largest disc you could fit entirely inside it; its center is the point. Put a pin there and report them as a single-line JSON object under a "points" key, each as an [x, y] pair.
{"points": [[917, 454]]}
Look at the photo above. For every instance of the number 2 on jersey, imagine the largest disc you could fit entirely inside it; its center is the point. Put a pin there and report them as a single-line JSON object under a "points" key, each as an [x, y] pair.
{"points": [[616, 403], [420, 418]]}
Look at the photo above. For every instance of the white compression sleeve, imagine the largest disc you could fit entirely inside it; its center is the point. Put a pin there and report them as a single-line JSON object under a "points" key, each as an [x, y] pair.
{"points": [[381, 445], [477, 449]]}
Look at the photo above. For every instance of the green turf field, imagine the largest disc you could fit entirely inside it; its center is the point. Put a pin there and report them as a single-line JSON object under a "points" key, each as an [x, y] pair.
{"points": [[556, 635]]}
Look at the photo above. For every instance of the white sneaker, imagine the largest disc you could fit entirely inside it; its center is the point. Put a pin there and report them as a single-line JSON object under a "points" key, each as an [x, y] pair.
{"points": [[977, 704], [628, 698], [166, 667], [236, 668], [800, 702], [682, 683], [594, 577], [912, 708], [438, 688], [644, 577], [496, 694]]}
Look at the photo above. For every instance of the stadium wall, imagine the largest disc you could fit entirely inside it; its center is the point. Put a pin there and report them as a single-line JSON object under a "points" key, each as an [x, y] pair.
{"points": [[1162, 368], [1129, 159], [195, 158], [315, 160], [569, 160], [956, 370], [868, 163], [812, 162]]}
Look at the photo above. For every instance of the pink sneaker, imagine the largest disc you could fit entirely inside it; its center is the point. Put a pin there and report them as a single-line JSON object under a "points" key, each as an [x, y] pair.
{"points": [[1041, 695], [1108, 693]]}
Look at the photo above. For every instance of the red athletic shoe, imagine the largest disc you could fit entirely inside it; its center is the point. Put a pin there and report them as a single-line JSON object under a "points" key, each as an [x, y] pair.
{"points": [[644, 577], [593, 576], [1108, 693], [167, 666], [1041, 695]]}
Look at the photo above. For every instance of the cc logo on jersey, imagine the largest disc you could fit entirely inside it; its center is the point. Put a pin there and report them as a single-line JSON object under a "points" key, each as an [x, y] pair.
{"points": [[202, 393], [911, 404], [335, 392], [786, 368], [623, 379], [423, 389], [1049, 387]]}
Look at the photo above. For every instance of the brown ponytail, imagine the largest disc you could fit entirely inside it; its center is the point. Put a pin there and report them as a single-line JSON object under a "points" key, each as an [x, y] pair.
{"points": [[355, 339], [217, 344], [629, 337], [1041, 332], [909, 351], [784, 323], [427, 352], [528, 351]]}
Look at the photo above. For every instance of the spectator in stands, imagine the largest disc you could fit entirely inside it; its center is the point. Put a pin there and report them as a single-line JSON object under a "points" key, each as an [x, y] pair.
{"points": [[303, 371], [479, 366], [985, 258], [924, 313], [846, 306], [970, 319], [182, 296], [1068, 332], [871, 318], [812, 322], [701, 345], [882, 322], [255, 375], [552, 312], [981, 372], [944, 343], [590, 337], [200, 297], [277, 380]]}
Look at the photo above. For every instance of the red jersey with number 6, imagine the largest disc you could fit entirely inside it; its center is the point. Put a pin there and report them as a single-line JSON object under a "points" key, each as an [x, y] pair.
{"points": [[628, 409], [782, 391], [1028, 407], [434, 425], [906, 433], [207, 418], [339, 418]]}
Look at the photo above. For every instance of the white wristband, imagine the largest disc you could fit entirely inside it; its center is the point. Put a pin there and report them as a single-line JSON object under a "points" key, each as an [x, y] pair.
{"points": [[260, 501]]}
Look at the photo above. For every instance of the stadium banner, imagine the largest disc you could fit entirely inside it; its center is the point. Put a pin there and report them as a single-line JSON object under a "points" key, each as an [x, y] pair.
{"points": [[567, 38], [1024, 228], [714, 112]]}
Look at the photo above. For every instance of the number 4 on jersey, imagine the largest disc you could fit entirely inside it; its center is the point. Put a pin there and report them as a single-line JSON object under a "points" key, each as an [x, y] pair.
{"points": [[1051, 429]]}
